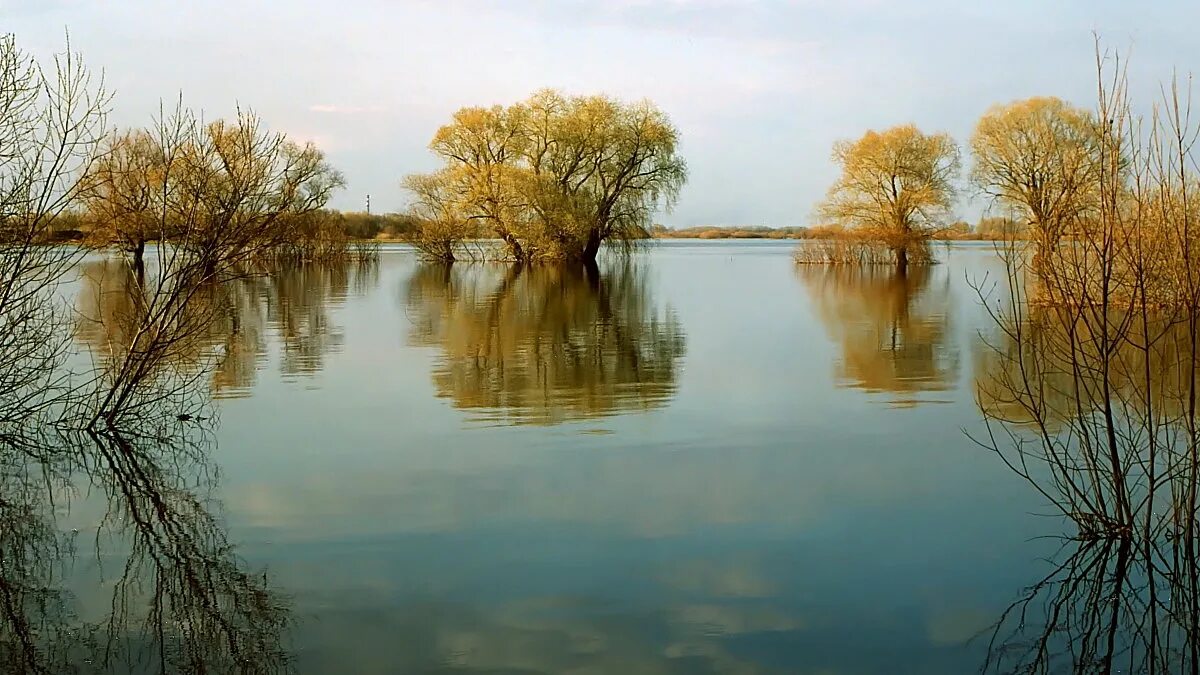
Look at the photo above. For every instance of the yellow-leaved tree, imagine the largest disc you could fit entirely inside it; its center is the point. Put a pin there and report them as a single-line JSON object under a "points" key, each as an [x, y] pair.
{"points": [[896, 188], [122, 190], [554, 176], [1041, 158]]}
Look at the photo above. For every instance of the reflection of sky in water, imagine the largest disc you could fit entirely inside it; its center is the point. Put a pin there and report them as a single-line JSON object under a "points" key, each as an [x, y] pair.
{"points": [[767, 516]]}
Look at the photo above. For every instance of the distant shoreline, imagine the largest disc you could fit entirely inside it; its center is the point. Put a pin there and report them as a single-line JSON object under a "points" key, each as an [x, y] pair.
{"points": [[726, 234], [789, 233]]}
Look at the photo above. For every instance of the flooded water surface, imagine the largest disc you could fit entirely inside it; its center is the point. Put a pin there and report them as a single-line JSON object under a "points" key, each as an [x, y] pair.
{"points": [[703, 459]]}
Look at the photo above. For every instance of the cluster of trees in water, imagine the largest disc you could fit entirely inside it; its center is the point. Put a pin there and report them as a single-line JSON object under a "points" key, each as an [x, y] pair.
{"points": [[197, 209], [1088, 384], [554, 177], [1040, 161], [225, 191]]}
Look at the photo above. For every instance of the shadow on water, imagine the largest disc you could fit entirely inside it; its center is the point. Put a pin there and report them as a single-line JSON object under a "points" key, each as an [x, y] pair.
{"points": [[544, 345], [894, 330]]}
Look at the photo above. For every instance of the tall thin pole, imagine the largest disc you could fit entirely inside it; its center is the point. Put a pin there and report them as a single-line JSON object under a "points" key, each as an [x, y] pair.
{"points": [[368, 204]]}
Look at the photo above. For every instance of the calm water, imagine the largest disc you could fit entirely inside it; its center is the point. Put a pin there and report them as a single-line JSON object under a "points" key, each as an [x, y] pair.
{"points": [[704, 460]]}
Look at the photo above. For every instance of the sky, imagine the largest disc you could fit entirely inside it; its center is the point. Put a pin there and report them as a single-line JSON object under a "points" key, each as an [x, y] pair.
{"points": [[759, 89]]}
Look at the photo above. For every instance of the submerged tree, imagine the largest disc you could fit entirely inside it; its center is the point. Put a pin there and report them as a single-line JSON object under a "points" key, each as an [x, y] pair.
{"points": [[241, 186], [555, 177], [441, 229], [120, 192], [1040, 157], [896, 187], [227, 191]]}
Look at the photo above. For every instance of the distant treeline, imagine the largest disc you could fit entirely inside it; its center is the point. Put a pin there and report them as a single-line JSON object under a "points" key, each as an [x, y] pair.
{"points": [[729, 232], [361, 225], [81, 226], [986, 229]]}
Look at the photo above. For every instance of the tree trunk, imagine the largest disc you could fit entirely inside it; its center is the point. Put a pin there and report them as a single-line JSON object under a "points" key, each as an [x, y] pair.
{"points": [[902, 260], [592, 248], [514, 246], [1047, 245]]}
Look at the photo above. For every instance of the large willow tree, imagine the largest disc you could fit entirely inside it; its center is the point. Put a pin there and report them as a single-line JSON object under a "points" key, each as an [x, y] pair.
{"points": [[896, 187], [1041, 158], [554, 176]]}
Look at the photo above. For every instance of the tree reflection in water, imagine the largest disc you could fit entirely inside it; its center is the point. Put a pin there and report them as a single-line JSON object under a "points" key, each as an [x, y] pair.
{"points": [[1123, 594], [116, 469], [293, 303], [181, 600], [542, 344], [893, 329], [1109, 605]]}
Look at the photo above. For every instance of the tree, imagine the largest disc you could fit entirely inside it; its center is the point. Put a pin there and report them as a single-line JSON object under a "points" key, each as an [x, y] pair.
{"points": [[51, 122], [998, 228], [896, 187], [959, 229], [1039, 156], [439, 229], [555, 177], [240, 186], [601, 168], [120, 193], [226, 192]]}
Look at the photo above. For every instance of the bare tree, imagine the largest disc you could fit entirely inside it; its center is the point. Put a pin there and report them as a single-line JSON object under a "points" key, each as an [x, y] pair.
{"points": [[51, 122], [1089, 394]]}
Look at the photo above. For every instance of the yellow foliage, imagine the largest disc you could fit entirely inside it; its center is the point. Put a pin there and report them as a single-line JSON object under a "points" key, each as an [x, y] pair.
{"points": [[1041, 157], [554, 176], [896, 187]]}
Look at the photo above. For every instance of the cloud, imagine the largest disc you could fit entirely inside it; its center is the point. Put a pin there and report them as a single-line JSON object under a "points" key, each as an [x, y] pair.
{"points": [[325, 142]]}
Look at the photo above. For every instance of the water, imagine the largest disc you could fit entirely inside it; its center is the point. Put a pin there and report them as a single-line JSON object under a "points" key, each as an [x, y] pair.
{"points": [[705, 460]]}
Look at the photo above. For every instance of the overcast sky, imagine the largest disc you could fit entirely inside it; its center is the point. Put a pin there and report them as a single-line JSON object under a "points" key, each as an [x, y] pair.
{"points": [[760, 89]]}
